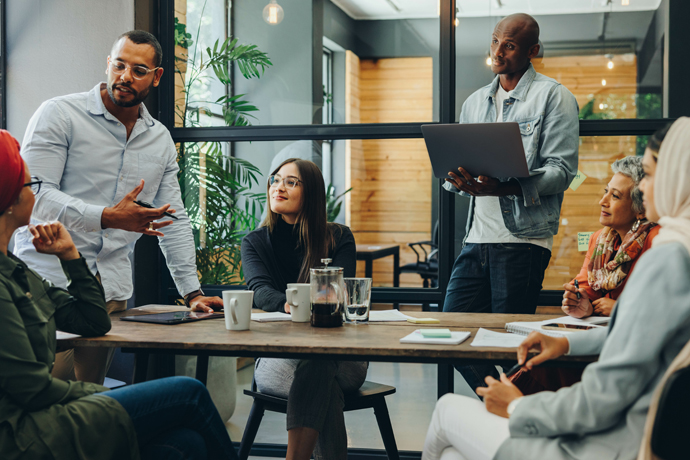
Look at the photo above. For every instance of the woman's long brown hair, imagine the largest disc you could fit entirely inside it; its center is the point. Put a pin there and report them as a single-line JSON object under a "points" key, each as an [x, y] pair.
{"points": [[315, 233]]}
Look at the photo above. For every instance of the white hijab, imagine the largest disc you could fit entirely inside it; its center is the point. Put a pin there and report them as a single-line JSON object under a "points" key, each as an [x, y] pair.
{"points": [[672, 185]]}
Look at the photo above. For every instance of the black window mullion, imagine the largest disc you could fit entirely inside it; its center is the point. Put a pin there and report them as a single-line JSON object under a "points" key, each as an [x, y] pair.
{"points": [[167, 85]]}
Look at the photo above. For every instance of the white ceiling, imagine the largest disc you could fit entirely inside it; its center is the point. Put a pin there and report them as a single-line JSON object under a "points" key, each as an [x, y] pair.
{"points": [[407, 9]]}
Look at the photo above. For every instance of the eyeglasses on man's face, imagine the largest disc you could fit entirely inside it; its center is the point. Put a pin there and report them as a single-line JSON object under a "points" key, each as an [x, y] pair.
{"points": [[290, 181], [35, 184], [139, 72]]}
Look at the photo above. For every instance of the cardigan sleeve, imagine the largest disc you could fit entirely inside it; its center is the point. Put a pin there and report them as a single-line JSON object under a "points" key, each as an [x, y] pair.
{"points": [[258, 276]]}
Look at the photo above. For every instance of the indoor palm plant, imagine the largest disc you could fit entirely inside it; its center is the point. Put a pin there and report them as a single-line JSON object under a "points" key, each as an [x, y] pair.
{"points": [[216, 187]]}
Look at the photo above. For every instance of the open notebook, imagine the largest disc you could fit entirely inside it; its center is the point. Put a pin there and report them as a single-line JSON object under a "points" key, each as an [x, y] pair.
{"points": [[525, 327]]}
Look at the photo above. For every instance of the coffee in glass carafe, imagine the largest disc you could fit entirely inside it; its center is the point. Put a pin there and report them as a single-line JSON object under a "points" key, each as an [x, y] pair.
{"points": [[327, 295]]}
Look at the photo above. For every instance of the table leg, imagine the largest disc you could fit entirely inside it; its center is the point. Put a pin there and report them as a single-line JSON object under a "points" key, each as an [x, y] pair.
{"points": [[368, 268], [141, 366], [396, 268], [202, 368], [396, 274], [446, 383]]}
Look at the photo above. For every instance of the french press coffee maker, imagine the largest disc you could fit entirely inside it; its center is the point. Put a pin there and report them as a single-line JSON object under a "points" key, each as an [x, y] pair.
{"points": [[327, 295]]}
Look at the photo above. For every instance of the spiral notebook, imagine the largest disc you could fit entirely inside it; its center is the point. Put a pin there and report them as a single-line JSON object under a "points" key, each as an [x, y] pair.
{"points": [[525, 327]]}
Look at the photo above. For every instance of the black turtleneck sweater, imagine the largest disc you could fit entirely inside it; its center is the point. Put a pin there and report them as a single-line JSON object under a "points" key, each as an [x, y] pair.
{"points": [[271, 261], [288, 254]]}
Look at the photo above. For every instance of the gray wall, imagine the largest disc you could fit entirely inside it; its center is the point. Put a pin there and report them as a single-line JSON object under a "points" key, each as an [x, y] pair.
{"points": [[56, 48], [284, 93]]}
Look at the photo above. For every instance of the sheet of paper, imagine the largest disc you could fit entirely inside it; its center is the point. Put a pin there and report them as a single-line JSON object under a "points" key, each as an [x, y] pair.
{"points": [[487, 338], [65, 335], [583, 241], [387, 315], [270, 316], [590, 320], [577, 180]]}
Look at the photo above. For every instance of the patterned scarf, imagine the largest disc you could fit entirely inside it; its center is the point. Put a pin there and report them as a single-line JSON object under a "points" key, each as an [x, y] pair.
{"points": [[607, 267]]}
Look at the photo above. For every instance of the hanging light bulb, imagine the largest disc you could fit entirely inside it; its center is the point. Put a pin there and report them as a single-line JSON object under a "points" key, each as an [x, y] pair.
{"points": [[609, 64], [456, 22], [488, 59], [625, 2], [603, 82], [601, 106], [273, 13]]}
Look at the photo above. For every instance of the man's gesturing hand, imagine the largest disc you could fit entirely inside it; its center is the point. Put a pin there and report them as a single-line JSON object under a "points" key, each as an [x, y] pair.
{"points": [[134, 218]]}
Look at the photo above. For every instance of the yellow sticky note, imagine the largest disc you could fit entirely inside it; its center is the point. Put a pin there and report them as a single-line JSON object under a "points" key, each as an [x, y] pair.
{"points": [[577, 181], [583, 240]]}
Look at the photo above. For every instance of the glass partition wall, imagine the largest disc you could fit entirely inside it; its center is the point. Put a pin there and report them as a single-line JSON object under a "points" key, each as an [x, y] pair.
{"points": [[348, 84]]}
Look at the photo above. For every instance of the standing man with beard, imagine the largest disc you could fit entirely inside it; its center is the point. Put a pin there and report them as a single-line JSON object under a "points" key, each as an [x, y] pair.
{"points": [[96, 153]]}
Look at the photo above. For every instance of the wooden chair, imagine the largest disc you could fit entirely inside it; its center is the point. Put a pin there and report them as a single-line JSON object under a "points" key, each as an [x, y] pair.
{"points": [[370, 395]]}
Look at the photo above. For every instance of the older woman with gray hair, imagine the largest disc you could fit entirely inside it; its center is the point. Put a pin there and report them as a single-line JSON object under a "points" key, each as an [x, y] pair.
{"points": [[615, 249], [613, 252]]}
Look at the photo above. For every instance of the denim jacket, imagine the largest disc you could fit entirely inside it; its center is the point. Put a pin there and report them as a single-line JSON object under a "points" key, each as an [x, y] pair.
{"points": [[548, 117]]}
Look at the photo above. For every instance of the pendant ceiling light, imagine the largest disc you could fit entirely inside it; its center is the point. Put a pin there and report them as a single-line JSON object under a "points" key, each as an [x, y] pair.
{"points": [[273, 13]]}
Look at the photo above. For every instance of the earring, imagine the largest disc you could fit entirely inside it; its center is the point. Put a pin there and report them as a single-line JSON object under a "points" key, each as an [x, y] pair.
{"points": [[636, 225]]}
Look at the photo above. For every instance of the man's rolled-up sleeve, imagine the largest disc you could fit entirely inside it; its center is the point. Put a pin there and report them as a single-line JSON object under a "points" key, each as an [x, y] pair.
{"points": [[178, 243]]}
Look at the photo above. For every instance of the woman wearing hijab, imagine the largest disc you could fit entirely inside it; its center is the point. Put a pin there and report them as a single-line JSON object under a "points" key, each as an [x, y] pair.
{"points": [[43, 417], [603, 416]]}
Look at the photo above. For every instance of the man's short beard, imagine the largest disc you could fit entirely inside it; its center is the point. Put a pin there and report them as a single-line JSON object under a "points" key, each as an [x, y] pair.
{"points": [[138, 98]]}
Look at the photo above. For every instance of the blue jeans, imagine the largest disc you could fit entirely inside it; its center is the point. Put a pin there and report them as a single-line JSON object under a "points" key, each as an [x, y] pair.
{"points": [[495, 278], [175, 419]]}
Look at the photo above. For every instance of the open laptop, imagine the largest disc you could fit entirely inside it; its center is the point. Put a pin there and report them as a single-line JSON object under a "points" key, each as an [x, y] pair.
{"points": [[172, 317], [483, 149]]}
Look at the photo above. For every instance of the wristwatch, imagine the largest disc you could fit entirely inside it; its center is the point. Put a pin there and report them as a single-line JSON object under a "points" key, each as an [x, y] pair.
{"points": [[192, 295]]}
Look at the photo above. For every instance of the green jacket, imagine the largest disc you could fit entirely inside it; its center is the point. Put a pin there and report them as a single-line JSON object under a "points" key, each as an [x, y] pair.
{"points": [[42, 417]]}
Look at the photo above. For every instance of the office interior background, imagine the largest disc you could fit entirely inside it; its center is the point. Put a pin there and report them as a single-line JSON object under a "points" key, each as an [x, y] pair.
{"points": [[351, 82]]}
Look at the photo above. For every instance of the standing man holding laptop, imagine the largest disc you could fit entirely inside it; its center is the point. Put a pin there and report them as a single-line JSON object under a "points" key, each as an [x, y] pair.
{"points": [[512, 221]]}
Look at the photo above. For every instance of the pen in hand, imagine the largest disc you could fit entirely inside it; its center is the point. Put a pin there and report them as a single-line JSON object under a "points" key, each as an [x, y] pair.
{"points": [[146, 204], [514, 369], [577, 286]]}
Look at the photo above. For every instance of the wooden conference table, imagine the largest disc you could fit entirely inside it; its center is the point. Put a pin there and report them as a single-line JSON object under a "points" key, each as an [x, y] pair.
{"points": [[379, 341]]}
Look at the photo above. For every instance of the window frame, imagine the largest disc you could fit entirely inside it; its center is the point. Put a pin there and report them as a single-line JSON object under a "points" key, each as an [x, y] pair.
{"points": [[446, 109]]}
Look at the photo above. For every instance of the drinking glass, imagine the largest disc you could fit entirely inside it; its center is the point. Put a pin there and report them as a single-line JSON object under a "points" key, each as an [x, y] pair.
{"points": [[358, 300]]}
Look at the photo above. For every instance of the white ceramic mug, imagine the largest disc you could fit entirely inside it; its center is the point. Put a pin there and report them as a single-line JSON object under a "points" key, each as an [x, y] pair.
{"points": [[297, 295], [238, 309]]}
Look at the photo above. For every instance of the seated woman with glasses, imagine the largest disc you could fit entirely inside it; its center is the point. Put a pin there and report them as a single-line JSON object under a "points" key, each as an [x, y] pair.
{"points": [[293, 238], [604, 415], [45, 417]]}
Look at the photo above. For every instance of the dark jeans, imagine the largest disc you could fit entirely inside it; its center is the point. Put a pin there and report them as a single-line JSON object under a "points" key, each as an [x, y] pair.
{"points": [[495, 278], [175, 419]]}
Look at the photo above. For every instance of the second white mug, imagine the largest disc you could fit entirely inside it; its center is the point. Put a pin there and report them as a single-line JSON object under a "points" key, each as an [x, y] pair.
{"points": [[238, 309], [297, 295]]}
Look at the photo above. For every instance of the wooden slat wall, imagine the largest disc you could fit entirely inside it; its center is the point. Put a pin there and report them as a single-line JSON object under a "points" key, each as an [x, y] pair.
{"points": [[582, 75], [391, 178]]}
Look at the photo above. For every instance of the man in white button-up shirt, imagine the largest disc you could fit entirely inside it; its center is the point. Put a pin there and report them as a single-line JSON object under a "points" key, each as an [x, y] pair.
{"points": [[96, 153]]}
